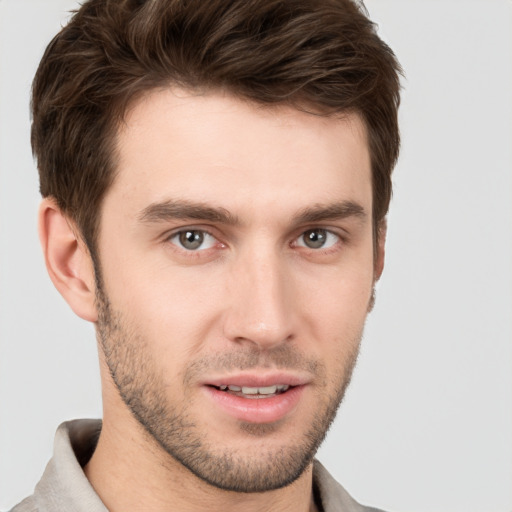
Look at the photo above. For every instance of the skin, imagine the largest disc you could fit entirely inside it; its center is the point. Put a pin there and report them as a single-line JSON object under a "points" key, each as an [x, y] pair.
{"points": [[253, 299]]}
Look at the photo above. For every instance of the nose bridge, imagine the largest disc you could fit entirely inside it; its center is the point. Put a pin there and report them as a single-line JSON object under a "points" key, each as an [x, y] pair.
{"points": [[261, 306]]}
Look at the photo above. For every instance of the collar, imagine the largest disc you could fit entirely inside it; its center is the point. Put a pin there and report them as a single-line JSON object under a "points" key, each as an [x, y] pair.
{"points": [[64, 486]]}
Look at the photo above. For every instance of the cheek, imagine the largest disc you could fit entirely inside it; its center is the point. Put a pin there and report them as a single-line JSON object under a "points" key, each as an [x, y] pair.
{"points": [[173, 308], [336, 309], [340, 293]]}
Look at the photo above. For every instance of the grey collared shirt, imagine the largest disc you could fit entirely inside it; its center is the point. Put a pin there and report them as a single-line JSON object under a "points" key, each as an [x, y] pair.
{"points": [[65, 488]]}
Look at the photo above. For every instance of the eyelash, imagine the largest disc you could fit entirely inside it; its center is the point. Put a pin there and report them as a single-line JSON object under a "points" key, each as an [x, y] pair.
{"points": [[325, 232], [205, 233], [295, 243]]}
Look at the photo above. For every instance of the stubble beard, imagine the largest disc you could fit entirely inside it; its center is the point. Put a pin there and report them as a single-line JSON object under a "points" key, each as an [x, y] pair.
{"points": [[142, 389]]}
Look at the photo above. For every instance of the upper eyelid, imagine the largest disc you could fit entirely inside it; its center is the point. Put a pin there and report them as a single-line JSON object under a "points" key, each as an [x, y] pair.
{"points": [[341, 233], [329, 231], [179, 247], [176, 231]]}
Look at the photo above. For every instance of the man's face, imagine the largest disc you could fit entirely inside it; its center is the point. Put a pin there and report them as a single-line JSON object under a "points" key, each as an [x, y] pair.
{"points": [[237, 268]]}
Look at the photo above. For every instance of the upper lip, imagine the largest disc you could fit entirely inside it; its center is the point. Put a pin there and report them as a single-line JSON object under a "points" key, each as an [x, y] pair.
{"points": [[258, 380]]}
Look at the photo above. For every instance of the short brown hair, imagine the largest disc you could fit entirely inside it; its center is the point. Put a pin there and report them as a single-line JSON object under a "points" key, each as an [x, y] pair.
{"points": [[320, 55]]}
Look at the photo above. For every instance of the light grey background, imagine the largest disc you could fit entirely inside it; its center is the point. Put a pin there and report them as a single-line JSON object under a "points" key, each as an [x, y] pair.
{"points": [[427, 423]]}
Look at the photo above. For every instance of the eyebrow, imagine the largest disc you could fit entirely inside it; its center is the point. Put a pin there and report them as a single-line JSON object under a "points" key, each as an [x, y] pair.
{"points": [[179, 209], [335, 211], [169, 210]]}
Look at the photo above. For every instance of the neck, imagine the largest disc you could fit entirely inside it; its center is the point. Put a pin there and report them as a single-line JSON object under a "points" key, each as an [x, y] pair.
{"points": [[130, 472]]}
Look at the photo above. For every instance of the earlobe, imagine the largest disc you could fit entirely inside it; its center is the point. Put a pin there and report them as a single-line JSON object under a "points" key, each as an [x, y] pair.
{"points": [[67, 259], [379, 257]]}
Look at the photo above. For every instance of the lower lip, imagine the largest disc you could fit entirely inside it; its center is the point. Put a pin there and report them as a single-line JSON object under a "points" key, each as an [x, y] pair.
{"points": [[256, 410]]}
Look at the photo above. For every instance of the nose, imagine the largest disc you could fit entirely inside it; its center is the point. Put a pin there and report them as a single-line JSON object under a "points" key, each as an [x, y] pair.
{"points": [[261, 307]]}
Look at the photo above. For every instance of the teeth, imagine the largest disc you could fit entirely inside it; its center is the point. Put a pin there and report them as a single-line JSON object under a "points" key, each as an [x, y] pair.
{"points": [[265, 390], [250, 391], [269, 390]]}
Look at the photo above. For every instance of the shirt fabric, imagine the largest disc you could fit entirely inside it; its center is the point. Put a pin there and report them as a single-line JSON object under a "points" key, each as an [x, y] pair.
{"points": [[65, 488]]}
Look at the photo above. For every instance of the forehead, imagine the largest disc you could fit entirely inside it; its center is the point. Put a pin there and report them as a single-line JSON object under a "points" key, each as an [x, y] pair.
{"points": [[216, 148]]}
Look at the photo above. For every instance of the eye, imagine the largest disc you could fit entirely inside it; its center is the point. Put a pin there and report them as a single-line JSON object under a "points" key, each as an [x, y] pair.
{"points": [[193, 240], [317, 238]]}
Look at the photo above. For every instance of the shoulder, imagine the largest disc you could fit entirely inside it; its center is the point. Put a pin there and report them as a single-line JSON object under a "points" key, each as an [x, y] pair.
{"points": [[27, 505], [332, 495], [64, 486]]}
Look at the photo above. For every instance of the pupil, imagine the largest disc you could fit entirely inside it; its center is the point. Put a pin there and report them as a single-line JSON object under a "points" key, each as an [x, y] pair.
{"points": [[315, 238], [191, 239]]}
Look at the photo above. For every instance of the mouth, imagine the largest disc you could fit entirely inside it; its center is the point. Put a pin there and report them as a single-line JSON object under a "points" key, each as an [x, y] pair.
{"points": [[260, 392], [256, 398]]}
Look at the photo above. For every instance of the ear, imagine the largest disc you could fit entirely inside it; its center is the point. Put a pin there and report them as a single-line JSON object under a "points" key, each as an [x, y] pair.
{"points": [[378, 259], [67, 259], [380, 251]]}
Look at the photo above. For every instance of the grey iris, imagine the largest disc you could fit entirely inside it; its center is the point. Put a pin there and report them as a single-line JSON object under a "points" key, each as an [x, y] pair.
{"points": [[191, 239], [315, 238]]}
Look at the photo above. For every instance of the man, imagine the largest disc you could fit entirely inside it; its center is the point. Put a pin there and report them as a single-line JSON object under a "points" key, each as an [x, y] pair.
{"points": [[215, 180]]}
